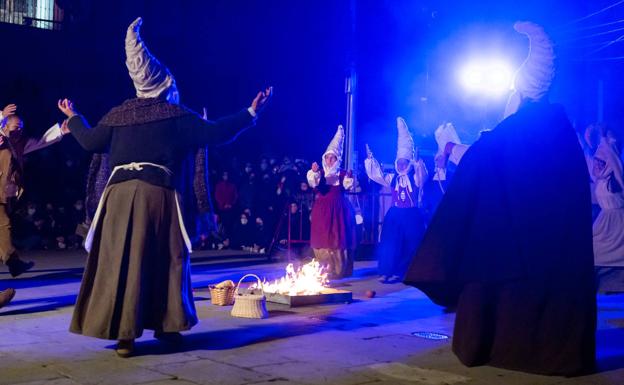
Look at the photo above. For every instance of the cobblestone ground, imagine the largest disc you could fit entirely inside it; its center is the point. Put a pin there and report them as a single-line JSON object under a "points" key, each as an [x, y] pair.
{"points": [[369, 341]]}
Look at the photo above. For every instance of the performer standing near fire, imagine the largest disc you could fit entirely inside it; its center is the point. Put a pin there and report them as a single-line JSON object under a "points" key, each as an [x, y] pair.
{"points": [[332, 234], [607, 174], [138, 271], [511, 242], [404, 224]]}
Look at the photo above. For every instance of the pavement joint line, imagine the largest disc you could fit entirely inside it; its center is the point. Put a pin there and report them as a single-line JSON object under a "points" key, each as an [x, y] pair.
{"points": [[275, 379], [383, 336], [258, 366], [171, 377], [153, 366]]}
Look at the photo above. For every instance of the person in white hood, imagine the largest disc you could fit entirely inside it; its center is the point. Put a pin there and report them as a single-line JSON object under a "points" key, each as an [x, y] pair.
{"points": [[138, 269], [608, 176], [332, 235], [404, 223], [510, 245]]}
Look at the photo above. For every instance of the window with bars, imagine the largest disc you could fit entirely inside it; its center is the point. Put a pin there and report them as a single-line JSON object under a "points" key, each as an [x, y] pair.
{"points": [[42, 14]]}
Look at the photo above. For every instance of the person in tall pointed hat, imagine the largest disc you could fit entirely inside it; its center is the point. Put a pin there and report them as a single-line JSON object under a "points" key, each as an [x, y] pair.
{"points": [[404, 223], [332, 234], [138, 270], [450, 148], [607, 173], [510, 245]]}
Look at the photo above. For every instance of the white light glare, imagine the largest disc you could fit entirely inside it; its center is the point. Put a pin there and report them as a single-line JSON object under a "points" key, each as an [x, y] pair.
{"points": [[489, 77]]}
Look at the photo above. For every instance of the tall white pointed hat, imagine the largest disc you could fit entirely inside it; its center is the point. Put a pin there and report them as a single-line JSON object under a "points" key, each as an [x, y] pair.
{"points": [[533, 79], [150, 77], [405, 142], [337, 143], [335, 147], [444, 134]]}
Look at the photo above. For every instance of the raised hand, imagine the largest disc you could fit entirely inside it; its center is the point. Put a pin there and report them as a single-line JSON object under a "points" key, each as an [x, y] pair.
{"points": [[67, 107], [9, 110], [369, 153], [261, 99]]}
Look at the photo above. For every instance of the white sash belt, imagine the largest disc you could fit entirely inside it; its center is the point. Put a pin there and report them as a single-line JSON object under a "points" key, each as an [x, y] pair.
{"points": [[137, 166]]}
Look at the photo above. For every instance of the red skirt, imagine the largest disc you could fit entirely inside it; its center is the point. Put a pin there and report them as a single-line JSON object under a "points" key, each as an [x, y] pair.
{"points": [[333, 221]]}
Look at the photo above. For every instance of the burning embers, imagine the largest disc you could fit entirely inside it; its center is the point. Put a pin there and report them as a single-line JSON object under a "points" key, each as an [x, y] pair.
{"points": [[305, 285]]}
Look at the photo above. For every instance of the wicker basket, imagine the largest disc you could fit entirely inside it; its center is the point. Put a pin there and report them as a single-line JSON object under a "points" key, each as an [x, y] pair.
{"points": [[249, 305], [221, 296]]}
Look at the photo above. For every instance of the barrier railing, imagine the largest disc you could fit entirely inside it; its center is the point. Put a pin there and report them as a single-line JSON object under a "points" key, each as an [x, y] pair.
{"points": [[42, 14], [370, 207]]}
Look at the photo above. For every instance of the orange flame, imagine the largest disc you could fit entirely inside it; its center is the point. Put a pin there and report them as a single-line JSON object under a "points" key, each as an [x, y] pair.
{"points": [[309, 279]]}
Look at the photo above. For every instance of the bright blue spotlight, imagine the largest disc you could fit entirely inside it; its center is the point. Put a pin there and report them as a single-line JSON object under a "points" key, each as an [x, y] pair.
{"points": [[486, 77]]}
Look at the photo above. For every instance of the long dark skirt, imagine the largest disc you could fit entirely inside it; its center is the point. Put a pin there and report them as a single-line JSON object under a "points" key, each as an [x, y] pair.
{"points": [[333, 221], [138, 271], [533, 326], [402, 232]]}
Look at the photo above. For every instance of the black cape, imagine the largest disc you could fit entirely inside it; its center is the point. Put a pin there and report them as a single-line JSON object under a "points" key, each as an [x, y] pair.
{"points": [[511, 247]]}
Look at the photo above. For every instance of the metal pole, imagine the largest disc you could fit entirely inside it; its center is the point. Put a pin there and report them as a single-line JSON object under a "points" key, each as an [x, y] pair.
{"points": [[350, 124], [350, 90]]}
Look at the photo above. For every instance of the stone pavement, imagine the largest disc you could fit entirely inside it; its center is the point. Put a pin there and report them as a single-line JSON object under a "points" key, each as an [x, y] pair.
{"points": [[368, 341]]}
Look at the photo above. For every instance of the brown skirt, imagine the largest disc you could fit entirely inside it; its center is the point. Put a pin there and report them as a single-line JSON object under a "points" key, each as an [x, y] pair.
{"points": [[138, 272]]}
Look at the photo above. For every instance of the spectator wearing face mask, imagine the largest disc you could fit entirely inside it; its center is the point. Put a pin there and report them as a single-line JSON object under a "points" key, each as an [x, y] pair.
{"points": [[299, 224], [27, 236], [243, 237], [226, 196], [262, 236], [264, 165], [14, 145], [304, 196], [249, 191]]}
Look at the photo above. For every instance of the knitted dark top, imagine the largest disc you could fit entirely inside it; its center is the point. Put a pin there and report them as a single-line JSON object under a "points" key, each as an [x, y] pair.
{"points": [[155, 131]]}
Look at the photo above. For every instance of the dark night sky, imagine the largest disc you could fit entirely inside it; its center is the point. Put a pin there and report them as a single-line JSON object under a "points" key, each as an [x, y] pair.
{"points": [[221, 52]]}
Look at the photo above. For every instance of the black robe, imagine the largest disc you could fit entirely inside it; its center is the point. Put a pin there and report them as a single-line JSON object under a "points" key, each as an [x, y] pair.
{"points": [[511, 246]]}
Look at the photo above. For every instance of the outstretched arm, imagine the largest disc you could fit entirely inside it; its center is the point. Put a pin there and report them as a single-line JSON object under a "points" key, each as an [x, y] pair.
{"points": [[420, 173], [373, 169], [226, 129], [53, 135], [91, 139]]}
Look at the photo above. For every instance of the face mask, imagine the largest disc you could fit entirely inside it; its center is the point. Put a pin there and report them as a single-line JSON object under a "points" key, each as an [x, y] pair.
{"points": [[244, 221]]}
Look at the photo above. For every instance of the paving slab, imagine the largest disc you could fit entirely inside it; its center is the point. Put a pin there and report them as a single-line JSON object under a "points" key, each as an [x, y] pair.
{"points": [[368, 341]]}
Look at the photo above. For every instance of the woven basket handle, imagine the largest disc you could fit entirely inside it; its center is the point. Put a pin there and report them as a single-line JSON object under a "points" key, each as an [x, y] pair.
{"points": [[249, 275]]}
